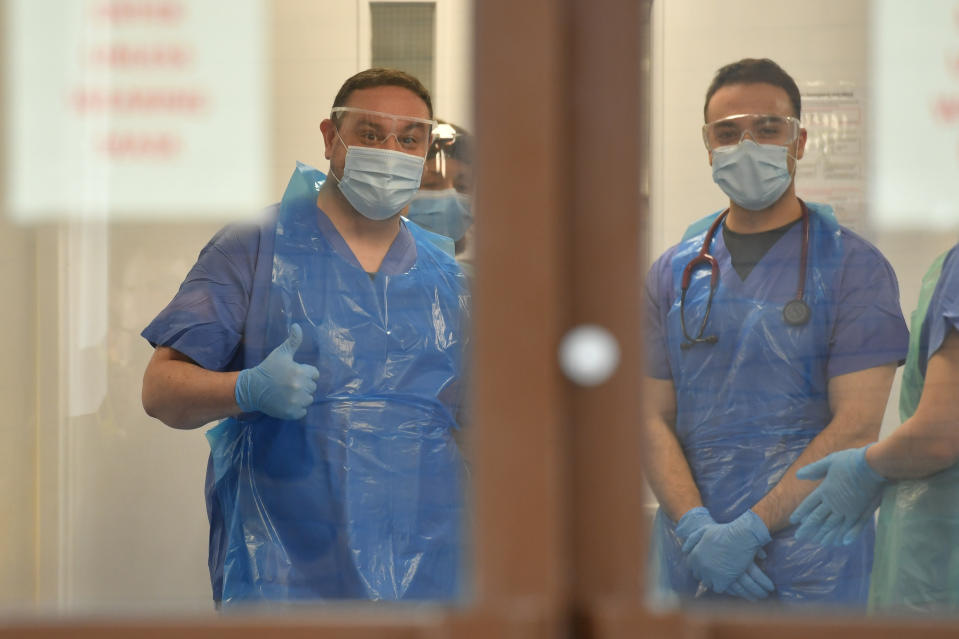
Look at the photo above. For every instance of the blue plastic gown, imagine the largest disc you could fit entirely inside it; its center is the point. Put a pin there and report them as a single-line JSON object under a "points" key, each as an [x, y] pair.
{"points": [[363, 497], [917, 563], [750, 404]]}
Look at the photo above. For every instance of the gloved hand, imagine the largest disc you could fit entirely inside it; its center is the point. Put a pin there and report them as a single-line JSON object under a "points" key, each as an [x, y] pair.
{"points": [[752, 584], [838, 509], [693, 520], [278, 386], [722, 556]]}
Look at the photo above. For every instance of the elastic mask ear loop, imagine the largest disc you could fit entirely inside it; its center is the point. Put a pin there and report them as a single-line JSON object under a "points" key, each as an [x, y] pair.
{"points": [[794, 157], [792, 174], [345, 146]]}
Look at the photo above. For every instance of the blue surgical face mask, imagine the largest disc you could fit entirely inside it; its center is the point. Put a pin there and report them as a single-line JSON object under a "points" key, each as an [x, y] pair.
{"points": [[753, 175], [379, 182], [446, 212]]}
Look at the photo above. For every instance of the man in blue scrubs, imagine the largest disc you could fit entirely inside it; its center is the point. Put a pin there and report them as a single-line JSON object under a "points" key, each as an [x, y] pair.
{"points": [[775, 351], [330, 339]]}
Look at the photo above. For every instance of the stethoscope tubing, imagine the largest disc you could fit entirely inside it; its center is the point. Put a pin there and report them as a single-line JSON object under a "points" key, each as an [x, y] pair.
{"points": [[795, 313]]}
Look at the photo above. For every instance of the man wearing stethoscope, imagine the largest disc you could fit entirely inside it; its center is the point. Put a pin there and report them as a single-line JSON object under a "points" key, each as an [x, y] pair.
{"points": [[772, 335]]}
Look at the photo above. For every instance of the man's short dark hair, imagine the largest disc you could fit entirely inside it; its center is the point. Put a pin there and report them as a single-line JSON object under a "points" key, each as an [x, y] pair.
{"points": [[753, 71], [382, 77]]}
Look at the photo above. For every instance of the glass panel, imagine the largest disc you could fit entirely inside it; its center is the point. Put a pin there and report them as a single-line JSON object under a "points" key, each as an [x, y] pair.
{"points": [[404, 35], [133, 132], [748, 385]]}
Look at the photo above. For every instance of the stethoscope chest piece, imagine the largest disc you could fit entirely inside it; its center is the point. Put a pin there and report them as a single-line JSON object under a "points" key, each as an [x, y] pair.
{"points": [[796, 312]]}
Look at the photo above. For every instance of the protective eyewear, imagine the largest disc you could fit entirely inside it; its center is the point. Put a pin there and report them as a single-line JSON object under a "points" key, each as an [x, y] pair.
{"points": [[362, 127], [780, 130], [441, 171], [444, 134]]}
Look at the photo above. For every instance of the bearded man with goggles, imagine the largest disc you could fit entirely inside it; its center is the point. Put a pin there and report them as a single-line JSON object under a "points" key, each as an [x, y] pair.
{"points": [[330, 340], [772, 336]]}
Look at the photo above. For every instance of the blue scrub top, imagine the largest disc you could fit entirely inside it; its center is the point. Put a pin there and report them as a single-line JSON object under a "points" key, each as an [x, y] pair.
{"points": [[362, 498], [869, 328], [749, 405], [206, 319]]}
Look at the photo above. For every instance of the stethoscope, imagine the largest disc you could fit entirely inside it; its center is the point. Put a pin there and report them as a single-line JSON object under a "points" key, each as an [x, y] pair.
{"points": [[795, 313]]}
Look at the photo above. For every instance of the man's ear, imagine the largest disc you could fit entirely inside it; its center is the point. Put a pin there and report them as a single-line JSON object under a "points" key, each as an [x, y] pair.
{"points": [[801, 144], [328, 129]]}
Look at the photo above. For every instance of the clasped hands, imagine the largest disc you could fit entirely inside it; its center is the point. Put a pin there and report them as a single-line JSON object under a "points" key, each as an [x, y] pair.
{"points": [[723, 556]]}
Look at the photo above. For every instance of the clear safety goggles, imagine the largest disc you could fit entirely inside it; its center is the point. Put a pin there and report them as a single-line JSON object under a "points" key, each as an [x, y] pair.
{"points": [[444, 137], [449, 160], [362, 127], [780, 130]]}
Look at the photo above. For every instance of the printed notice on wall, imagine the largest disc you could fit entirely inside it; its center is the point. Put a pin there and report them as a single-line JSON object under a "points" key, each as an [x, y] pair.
{"points": [[134, 109], [914, 64], [834, 168]]}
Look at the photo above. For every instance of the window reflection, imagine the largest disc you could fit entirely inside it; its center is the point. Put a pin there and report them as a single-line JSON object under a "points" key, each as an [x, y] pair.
{"points": [[851, 71]]}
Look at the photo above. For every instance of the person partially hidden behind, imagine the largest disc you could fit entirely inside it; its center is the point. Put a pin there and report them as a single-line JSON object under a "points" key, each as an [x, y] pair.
{"points": [[330, 339], [914, 471], [773, 334], [444, 202]]}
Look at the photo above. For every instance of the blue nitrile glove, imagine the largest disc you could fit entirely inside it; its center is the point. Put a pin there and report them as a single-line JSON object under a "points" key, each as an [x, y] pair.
{"points": [[278, 386], [722, 556], [838, 509], [752, 584], [693, 520]]}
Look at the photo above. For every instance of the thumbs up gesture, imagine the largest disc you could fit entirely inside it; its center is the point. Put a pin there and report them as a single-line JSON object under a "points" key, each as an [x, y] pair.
{"points": [[278, 386]]}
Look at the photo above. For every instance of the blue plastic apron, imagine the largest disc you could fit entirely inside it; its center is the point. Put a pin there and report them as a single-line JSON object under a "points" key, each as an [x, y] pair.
{"points": [[750, 404], [362, 498]]}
